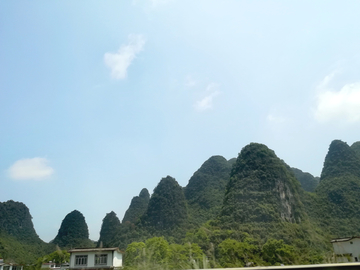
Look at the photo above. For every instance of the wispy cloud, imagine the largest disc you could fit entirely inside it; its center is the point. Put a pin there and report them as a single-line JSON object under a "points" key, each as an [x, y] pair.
{"points": [[324, 84], [120, 61], [343, 105], [152, 3], [156, 3], [206, 102], [30, 169], [190, 82]]}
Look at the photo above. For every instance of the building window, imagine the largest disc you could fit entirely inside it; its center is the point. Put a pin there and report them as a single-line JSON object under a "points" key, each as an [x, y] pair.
{"points": [[100, 259], [81, 260]]}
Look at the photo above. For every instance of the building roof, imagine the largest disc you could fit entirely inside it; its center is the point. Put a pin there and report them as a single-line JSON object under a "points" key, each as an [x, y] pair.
{"points": [[343, 239], [94, 250]]}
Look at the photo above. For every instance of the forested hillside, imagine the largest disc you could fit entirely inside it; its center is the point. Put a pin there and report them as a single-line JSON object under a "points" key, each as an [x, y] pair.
{"points": [[110, 227], [167, 212], [73, 232], [18, 239], [261, 189], [206, 188], [336, 202], [252, 210], [137, 207], [308, 182]]}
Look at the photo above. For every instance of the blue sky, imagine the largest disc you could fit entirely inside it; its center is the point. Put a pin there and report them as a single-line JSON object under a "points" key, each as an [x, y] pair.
{"points": [[99, 99]]}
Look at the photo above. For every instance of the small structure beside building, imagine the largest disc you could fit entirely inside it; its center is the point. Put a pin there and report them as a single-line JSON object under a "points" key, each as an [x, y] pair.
{"points": [[95, 258], [347, 249], [9, 266], [49, 265], [53, 266]]}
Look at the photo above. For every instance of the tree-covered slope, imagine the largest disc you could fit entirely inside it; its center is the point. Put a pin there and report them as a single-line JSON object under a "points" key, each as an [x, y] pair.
{"points": [[18, 240], [356, 148], [337, 201], [261, 189], [73, 232], [308, 181], [137, 207], [206, 188], [15, 220], [167, 210], [340, 160], [109, 229]]}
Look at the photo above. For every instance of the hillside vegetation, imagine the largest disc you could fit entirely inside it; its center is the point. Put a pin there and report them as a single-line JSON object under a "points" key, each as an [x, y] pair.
{"points": [[252, 210]]}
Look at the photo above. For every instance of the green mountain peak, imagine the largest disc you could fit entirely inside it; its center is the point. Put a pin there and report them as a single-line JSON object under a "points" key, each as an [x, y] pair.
{"points": [[261, 189], [73, 232]]}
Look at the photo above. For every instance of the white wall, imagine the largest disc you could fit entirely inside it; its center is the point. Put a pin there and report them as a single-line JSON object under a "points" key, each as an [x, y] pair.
{"points": [[91, 259], [117, 261], [347, 247]]}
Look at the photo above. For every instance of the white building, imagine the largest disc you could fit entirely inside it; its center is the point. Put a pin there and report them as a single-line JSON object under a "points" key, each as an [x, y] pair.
{"points": [[9, 266], [347, 249], [95, 258]]}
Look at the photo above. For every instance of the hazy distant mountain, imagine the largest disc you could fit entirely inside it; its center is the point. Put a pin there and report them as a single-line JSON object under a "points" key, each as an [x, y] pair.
{"points": [[109, 228], [261, 189], [18, 239], [137, 207], [73, 232], [308, 181], [206, 188]]}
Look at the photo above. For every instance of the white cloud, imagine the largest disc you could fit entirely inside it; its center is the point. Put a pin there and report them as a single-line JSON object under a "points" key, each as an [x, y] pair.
{"points": [[206, 102], [120, 61], [30, 169], [343, 105]]}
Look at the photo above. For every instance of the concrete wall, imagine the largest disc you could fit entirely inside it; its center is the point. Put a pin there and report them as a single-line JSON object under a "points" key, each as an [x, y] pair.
{"points": [[117, 261], [114, 259], [91, 259], [347, 251]]}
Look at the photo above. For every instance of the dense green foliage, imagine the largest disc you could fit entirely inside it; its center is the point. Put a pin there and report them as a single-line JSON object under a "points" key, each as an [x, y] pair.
{"points": [[57, 257], [137, 207], [206, 188], [167, 210], [156, 253], [335, 206], [110, 226], [261, 189], [16, 250], [231, 249], [15, 220], [356, 148], [340, 160], [307, 181], [73, 232], [18, 239]]}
